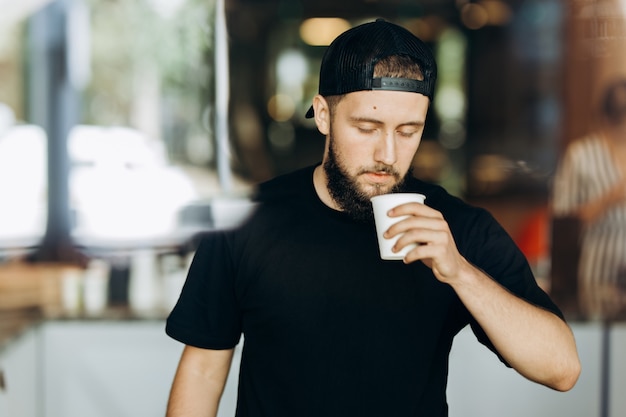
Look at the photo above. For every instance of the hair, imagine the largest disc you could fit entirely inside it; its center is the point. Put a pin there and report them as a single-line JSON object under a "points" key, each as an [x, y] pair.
{"points": [[614, 102], [397, 66]]}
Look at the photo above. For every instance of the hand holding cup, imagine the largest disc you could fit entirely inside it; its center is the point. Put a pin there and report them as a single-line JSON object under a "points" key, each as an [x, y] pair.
{"points": [[381, 205]]}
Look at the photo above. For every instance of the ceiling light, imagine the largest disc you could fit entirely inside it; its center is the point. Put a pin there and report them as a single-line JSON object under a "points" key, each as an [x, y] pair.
{"points": [[322, 31]]}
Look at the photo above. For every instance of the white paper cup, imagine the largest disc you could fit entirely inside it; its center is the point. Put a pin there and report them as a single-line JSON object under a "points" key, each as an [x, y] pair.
{"points": [[382, 204]]}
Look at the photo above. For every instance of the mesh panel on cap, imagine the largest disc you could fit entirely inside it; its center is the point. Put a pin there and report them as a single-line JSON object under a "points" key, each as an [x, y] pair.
{"points": [[348, 63]]}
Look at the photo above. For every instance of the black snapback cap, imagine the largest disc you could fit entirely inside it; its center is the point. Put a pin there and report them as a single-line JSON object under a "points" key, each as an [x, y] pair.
{"points": [[348, 63]]}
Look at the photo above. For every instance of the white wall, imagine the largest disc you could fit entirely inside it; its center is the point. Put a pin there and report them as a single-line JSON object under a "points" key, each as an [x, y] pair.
{"points": [[20, 367], [480, 385], [618, 371], [107, 368], [114, 368]]}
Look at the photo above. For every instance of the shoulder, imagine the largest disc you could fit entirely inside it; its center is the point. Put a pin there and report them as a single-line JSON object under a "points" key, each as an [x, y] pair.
{"points": [[587, 155], [286, 186], [452, 207], [468, 223], [279, 203], [586, 145]]}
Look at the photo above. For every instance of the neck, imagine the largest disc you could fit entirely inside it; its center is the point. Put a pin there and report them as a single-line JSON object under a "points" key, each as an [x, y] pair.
{"points": [[320, 181], [616, 135]]}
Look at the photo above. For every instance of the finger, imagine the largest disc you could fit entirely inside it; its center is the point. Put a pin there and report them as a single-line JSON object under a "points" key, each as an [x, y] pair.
{"points": [[421, 237], [416, 223], [413, 209], [434, 256], [424, 252]]}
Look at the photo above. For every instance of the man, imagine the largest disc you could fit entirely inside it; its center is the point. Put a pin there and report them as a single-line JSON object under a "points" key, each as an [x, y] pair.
{"points": [[330, 328], [590, 187]]}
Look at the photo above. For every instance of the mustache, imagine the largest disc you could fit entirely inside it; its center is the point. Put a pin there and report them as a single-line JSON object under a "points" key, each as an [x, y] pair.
{"points": [[380, 168]]}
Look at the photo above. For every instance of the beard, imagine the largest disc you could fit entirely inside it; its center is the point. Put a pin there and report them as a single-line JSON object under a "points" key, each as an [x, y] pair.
{"points": [[346, 191]]}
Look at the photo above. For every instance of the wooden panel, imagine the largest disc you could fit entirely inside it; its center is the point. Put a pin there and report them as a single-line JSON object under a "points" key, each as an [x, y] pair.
{"points": [[32, 285]]}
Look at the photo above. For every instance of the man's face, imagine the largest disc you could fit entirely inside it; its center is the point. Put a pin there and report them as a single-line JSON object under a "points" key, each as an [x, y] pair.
{"points": [[372, 140]]}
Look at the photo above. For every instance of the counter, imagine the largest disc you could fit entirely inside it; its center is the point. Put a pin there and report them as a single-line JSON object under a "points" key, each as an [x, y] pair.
{"points": [[27, 293], [15, 322], [33, 293]]}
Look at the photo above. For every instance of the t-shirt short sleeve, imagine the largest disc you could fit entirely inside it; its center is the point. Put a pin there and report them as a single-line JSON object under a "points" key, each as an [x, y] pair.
{"points": [[496, 254], [206, 314]]}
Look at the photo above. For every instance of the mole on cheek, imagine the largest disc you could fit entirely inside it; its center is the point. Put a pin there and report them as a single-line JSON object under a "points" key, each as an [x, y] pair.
{"points": [[374, 107]]}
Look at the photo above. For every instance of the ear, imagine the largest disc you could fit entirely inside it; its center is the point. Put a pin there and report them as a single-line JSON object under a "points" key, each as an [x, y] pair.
{"points": [[322, 114]]}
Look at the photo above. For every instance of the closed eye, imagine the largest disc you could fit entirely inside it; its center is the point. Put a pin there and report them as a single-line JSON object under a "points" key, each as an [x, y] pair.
{"points": [[408, 133], [366, 130]]}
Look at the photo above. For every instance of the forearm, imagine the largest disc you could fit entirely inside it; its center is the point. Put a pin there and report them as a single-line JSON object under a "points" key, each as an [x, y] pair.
{"points": [[190, 397], [198, 384], [597, 207], [534, 341]]}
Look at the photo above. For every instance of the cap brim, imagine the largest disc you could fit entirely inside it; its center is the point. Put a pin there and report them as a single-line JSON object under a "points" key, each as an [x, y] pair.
{"points": [[310, 113]]}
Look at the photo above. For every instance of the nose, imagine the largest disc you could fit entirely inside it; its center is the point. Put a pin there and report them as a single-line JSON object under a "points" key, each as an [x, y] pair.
{"points": [[386, 152]]}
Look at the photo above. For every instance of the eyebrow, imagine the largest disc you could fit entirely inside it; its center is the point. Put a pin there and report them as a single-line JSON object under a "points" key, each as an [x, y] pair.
{"points": [[415, 123]]}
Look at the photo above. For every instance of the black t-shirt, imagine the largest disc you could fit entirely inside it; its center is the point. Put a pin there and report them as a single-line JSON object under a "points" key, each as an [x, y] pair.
{"points": [[329, 328]]}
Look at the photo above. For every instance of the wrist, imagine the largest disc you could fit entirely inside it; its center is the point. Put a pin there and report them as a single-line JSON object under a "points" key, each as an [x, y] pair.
{"points": [[467, 276]]}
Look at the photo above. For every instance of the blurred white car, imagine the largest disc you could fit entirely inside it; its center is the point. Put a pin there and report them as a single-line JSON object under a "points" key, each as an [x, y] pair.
{"points": [[122, 186], [23, 185], [123, 190]]}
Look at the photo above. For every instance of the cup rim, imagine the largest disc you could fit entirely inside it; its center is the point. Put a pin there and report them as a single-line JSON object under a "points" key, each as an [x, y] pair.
{"points": [[397, 194]]}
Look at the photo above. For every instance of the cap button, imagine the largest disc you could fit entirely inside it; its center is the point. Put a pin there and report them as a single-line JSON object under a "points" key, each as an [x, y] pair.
{"points": [[380, 19]]}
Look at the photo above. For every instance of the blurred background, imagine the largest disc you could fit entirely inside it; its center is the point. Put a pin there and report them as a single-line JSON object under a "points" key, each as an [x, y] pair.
{"points": [[130, 127]]}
